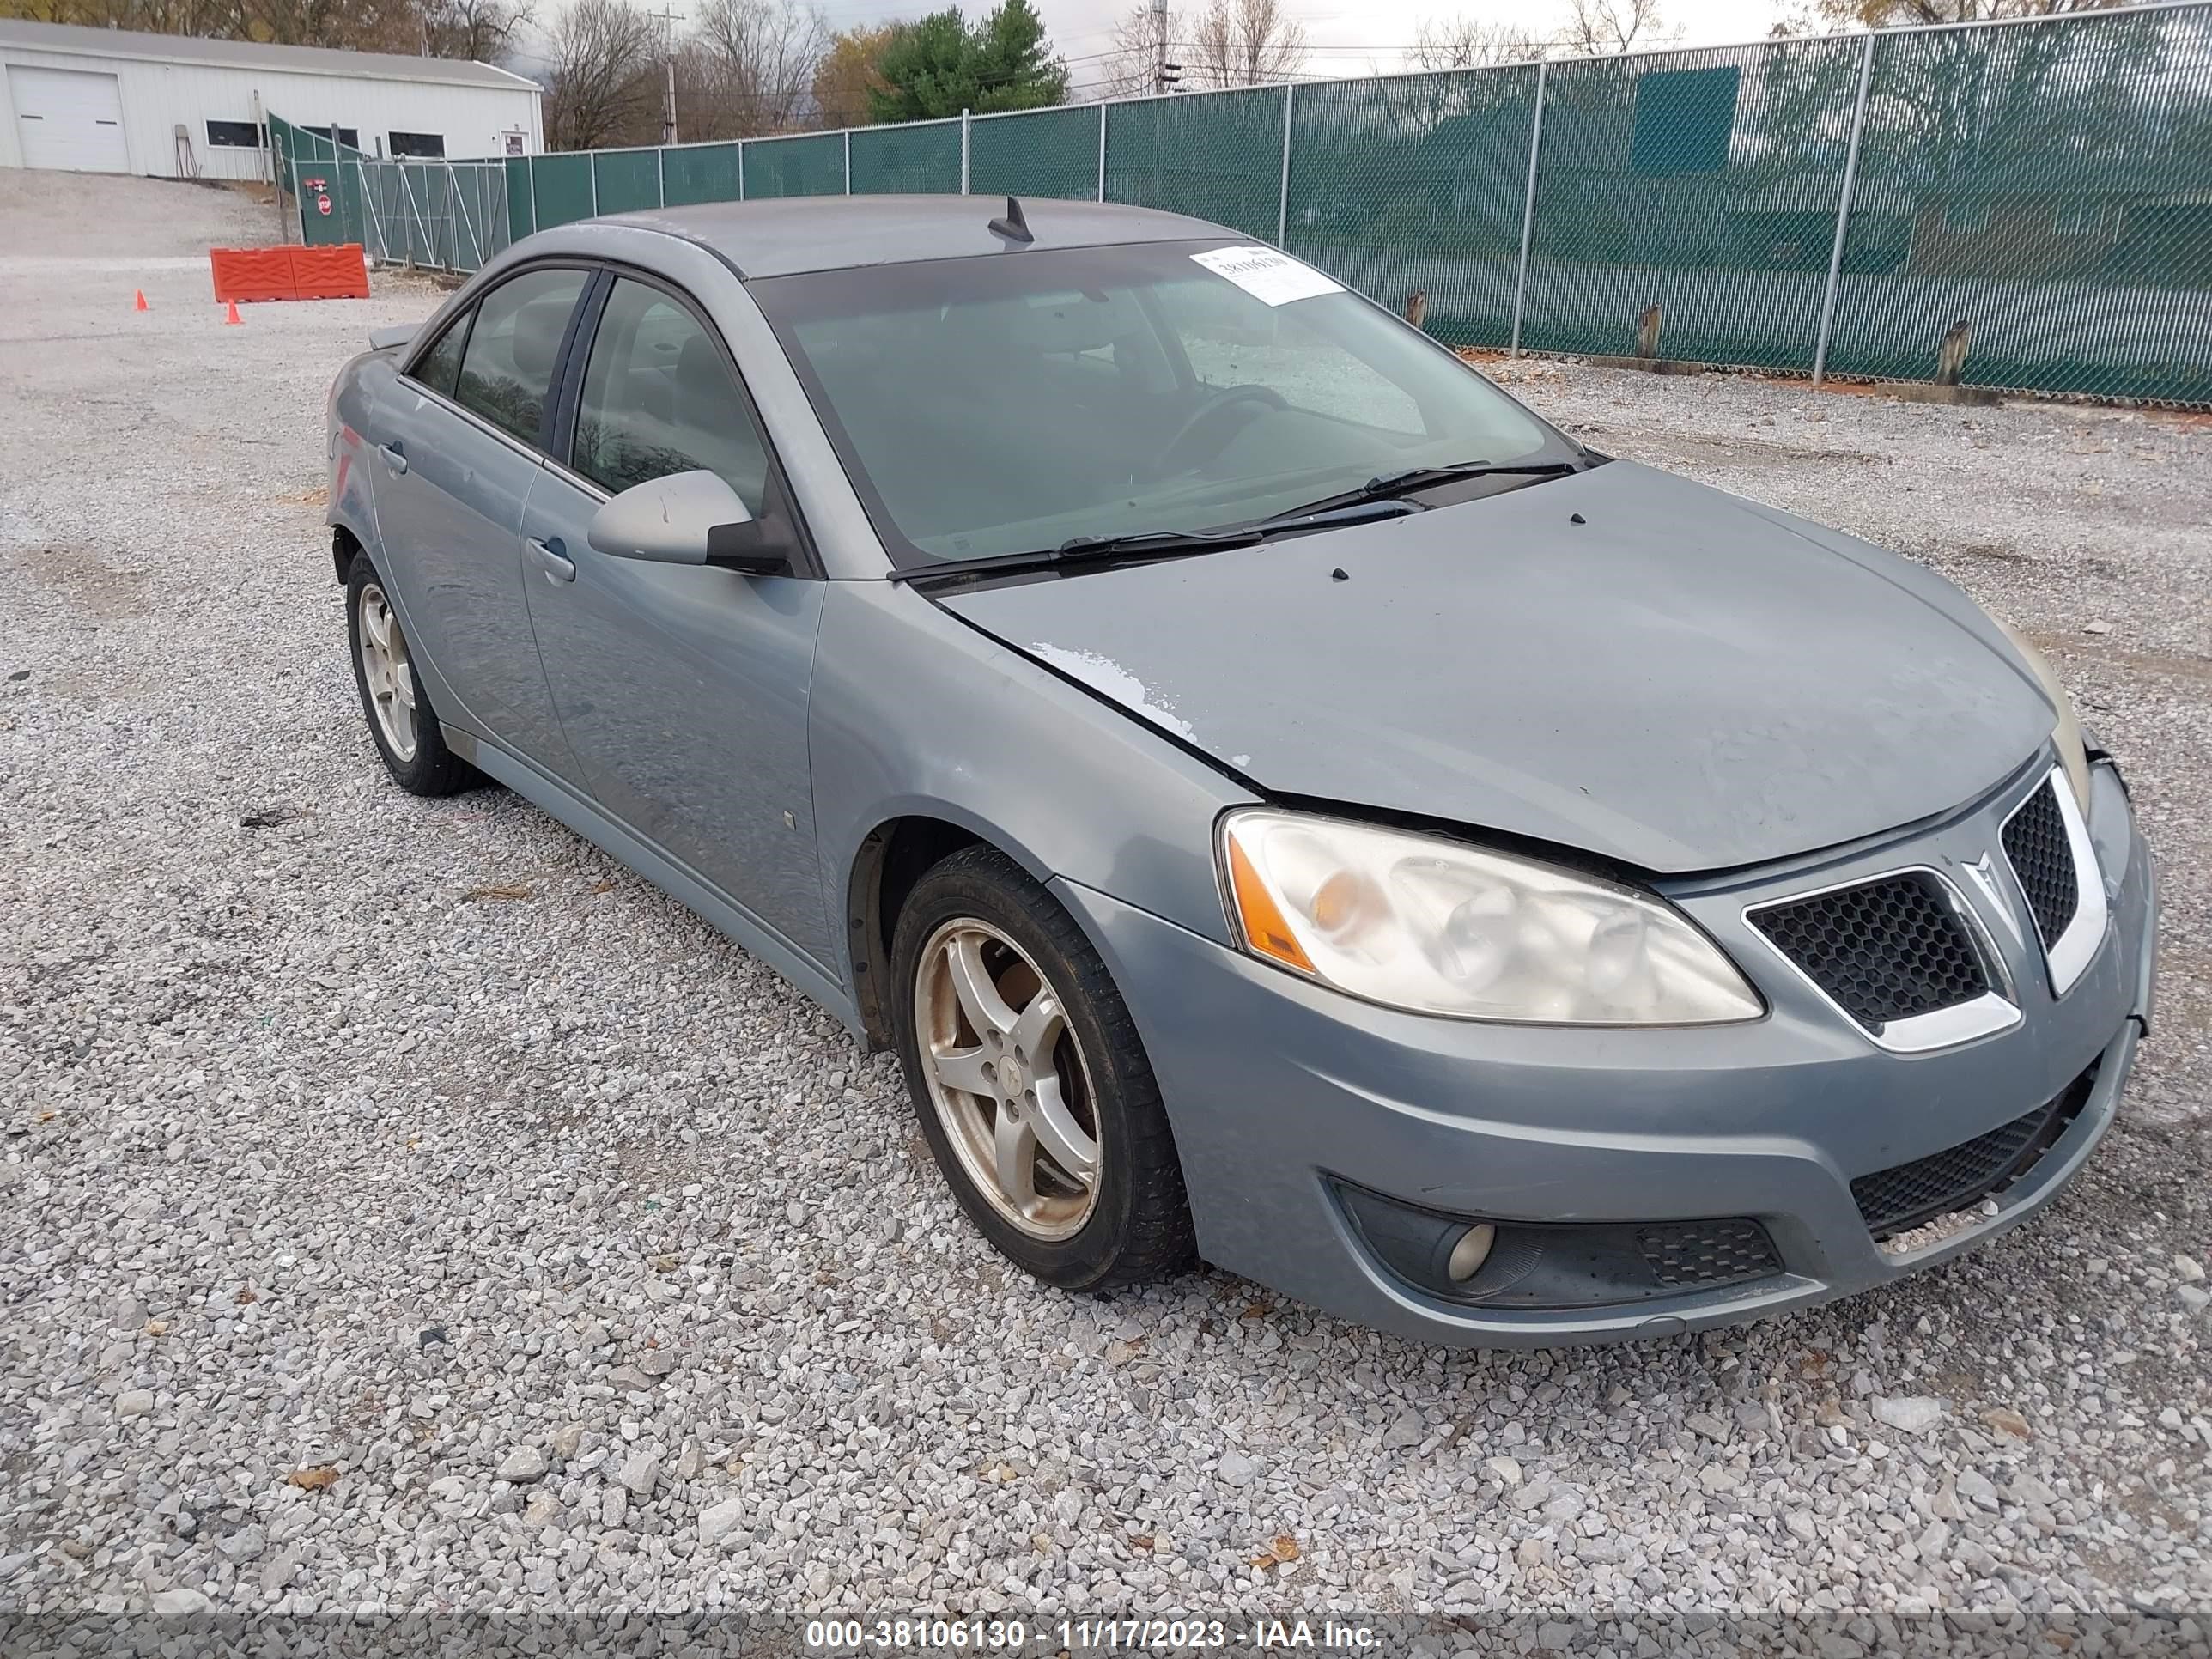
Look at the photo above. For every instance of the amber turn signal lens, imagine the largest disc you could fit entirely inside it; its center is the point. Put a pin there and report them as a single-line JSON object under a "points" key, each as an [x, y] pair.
{"points": [[1265, 930]]}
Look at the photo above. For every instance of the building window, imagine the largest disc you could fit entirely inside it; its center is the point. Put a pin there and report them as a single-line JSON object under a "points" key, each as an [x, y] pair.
{"points": [[1966, 215], [430, 144], [234, 135], [2088, 218], [349, 136]]}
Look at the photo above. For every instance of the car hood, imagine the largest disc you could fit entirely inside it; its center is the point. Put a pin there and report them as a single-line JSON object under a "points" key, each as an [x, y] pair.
{"points": [[1620, 661]]}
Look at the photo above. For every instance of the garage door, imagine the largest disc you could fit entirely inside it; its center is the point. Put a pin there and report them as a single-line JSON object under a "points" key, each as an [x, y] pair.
{"points": [[69, 118]]}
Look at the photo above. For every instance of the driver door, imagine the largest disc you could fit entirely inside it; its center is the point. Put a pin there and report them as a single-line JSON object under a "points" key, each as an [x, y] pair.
{"points": [[681, 689]]}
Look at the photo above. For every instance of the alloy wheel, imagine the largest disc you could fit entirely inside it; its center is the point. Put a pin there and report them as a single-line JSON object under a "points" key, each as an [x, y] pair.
{"points": [[388, 671], [1007, 1078]]}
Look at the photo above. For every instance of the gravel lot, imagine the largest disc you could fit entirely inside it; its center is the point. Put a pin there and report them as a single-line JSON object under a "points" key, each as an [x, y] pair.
{"points": [[419, 1144]]}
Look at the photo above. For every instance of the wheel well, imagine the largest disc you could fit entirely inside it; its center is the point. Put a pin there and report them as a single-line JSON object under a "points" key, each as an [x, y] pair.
{"points": [[344, 546], [894, 857]]}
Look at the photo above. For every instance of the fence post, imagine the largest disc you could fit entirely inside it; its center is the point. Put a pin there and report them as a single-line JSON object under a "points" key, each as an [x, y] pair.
{"points": [[530, 173], [1282, 193], [1842, 213], [849, 161], [1528, 207], [660, 166], [741, 169], [595, 184], [1102, 149], [964, 125]]}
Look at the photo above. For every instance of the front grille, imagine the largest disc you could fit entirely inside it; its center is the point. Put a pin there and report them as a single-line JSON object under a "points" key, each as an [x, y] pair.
{"points": [[1886, 950], [1898, 1199], [1706, 1252], [2043, 861]]}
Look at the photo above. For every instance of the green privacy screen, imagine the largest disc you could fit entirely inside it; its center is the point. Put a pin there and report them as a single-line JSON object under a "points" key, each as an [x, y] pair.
{"points": [[1216, 155], [626, 179], [2030, 202], [1417, 183], [561, 189], [700, 173], [2048, 187], [521, 217], [1046, 152], [920, 160], [1686, 202], [813, 165]]}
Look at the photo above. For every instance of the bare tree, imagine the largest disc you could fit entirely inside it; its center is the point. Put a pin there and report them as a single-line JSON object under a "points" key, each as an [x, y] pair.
{"points": [[1467, 43], [600, 88], [1245, 43], [753, 63], [479, 30], [1133, 59], [1598, 28]]}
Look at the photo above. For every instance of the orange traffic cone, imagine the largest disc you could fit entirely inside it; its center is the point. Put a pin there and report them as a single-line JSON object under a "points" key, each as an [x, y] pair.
{"points": [[139, 302], [230, 313]]}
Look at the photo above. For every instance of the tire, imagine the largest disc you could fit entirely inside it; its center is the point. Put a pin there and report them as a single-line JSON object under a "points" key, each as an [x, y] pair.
{"points": [[1134, 1225], [416, 753]]}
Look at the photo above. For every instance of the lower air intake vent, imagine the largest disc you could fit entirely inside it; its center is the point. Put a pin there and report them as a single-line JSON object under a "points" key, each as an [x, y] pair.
{"points": [[1706, 1252], [1886, 950], [1898, 1199]]}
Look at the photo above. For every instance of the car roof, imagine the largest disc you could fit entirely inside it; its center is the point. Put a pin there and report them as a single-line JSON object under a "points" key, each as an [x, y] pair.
{"points": [[783, 236]]}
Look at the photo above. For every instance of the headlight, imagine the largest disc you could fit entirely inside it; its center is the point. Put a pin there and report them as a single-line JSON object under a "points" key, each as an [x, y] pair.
{"points": [[1431, 925], [2073, 752]]}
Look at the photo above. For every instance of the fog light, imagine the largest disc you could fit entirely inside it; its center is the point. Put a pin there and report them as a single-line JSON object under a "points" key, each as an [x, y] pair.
{"points": [[1540, 1265], [1471, 1252]]}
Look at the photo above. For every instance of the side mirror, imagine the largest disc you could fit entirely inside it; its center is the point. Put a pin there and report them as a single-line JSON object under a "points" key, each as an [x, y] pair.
{"points": [[686, 518]]}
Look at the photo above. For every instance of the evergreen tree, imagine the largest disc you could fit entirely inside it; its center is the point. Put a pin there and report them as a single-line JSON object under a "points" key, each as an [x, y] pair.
{"points": [[940, 65]]}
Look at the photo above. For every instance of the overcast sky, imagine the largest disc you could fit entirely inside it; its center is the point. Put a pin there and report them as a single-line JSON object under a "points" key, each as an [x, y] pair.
{"points": [[1349, 37]]}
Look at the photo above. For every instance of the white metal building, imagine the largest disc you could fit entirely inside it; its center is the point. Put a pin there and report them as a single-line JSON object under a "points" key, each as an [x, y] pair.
{"points": [[177, 107]]}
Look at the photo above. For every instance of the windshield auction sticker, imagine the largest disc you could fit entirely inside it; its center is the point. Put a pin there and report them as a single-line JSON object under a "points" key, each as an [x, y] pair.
{"points": [[1268, 276]]}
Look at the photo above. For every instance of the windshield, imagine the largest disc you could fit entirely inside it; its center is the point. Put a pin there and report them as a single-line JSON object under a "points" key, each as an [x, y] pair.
{"points": [[1009, 403]]}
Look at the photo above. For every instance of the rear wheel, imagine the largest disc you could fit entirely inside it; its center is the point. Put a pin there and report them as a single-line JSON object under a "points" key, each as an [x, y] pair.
{"points": [[1033, 1091], [400, 719]]}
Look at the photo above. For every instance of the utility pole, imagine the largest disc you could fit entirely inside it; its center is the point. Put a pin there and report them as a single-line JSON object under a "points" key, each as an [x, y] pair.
{"points": [[667, 17], [1165, 75]]}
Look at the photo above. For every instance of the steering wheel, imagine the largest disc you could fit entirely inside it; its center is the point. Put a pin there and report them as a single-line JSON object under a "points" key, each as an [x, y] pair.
{"points": [[1228, 397]]}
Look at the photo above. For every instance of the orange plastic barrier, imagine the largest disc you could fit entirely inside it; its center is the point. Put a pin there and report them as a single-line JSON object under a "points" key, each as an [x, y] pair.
{"points": [[289, 273], [330, 273], [253, 273]]}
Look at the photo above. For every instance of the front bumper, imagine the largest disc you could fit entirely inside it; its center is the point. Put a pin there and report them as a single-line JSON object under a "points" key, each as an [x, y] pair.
{"points": [[1279, 1090]]}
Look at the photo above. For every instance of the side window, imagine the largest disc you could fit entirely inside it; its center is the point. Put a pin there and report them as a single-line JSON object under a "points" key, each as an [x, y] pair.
{"points": [[440, 365], [506, 370], [659, 398]]}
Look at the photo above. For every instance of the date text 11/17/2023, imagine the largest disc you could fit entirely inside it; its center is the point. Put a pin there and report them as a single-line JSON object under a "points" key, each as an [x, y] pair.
{"points": [[839, 1636]]}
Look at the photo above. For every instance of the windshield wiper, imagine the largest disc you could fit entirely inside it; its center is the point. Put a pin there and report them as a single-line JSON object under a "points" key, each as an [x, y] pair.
{"points": [[1392, 486], [1080, 551]]}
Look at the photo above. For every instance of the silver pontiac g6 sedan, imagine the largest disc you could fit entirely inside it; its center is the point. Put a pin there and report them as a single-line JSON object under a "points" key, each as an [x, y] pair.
{"points": [[1286, 803]]}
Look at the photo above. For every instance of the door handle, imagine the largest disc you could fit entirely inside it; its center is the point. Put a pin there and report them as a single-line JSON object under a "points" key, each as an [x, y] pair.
{"points": [[394, 457], [553, 559]]}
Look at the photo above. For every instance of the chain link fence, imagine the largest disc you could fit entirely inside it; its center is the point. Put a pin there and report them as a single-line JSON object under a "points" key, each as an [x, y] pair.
{"points": [[2022, 205]]}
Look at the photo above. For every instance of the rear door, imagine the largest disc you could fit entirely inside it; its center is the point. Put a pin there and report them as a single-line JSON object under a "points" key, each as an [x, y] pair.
{"points": [[681, 690], [460, 439]]}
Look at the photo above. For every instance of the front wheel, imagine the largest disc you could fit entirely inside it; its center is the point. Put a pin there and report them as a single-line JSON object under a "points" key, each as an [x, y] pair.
{"points": [[1032, 1088]]}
